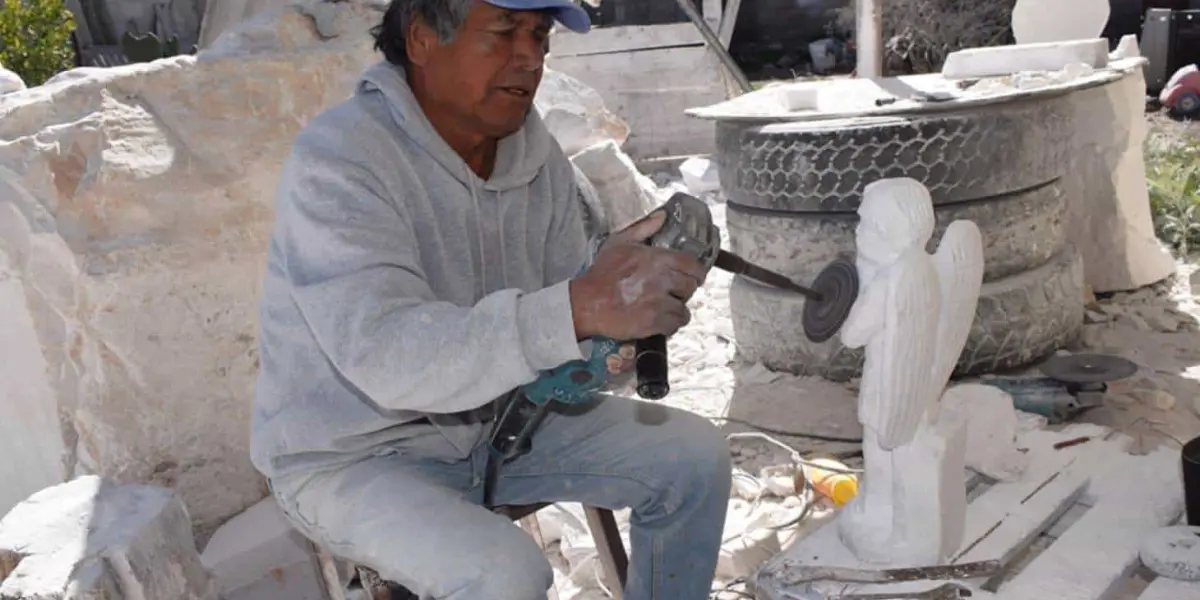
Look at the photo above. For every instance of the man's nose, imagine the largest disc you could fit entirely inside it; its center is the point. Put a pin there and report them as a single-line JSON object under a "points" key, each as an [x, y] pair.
{"points": [[529, 52]]}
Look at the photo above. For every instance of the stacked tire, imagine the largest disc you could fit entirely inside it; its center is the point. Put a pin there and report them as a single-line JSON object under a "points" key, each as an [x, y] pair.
{"points": [[793, 189]]}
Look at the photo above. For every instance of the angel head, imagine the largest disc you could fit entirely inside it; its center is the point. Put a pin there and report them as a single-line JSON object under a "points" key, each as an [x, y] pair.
{"points": [[895, 215]]}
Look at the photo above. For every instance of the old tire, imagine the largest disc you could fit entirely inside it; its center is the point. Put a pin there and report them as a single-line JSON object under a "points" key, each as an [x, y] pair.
{"points": [[1021, 231], [1019, 320], [960, 156]]}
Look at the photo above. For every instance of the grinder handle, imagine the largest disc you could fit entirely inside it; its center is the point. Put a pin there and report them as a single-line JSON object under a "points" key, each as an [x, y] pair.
{"points": [[652, 367]]}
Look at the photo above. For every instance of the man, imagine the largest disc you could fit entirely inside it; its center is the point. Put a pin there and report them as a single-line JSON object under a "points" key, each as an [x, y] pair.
{"points": [[426, 262]]}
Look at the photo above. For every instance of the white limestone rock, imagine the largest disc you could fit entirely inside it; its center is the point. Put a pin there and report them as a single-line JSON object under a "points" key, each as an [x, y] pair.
{"points": [[575, 114], [90, 538], [1108, 204], [135, 207], [992, 427], [1041, 21], [976, 63], [9, 81], [1126, 48], [624, 194], [700, 176]]}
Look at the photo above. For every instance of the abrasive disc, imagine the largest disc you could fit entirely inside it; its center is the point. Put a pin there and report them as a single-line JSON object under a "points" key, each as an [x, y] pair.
{"points": [[838, 286], [1088, 368], [1173, 552]]}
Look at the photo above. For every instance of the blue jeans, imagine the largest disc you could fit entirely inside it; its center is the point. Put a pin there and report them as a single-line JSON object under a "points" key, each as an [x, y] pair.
{"points": [[419, 522]]}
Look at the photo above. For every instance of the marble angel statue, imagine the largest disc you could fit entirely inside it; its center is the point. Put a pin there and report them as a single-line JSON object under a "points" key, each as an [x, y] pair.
{"points": [[913, 315]]}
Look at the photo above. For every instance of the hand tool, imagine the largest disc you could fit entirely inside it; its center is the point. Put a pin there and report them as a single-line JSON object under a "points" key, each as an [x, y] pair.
{"points": [[688, 227]]}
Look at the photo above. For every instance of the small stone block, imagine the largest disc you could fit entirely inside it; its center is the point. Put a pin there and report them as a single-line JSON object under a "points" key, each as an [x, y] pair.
{"points": [[976, 63], [92, 539]]}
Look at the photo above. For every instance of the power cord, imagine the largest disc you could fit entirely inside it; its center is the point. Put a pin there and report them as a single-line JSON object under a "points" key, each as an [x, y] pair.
{"points": [[774, 431]]}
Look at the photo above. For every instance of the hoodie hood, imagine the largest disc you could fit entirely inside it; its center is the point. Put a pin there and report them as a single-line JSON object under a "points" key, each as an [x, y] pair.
{"points": [[519, 157]]}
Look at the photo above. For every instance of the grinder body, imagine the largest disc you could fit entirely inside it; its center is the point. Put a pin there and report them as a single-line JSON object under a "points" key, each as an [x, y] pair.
{"points": [[688, 228]]}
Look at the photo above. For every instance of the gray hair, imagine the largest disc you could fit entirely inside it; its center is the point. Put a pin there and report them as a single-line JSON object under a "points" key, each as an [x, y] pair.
{"points": [[445, 17]]}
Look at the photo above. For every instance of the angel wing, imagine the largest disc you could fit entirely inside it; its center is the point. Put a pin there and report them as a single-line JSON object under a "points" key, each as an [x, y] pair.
{"points": [[959, 264], [894, 394]]}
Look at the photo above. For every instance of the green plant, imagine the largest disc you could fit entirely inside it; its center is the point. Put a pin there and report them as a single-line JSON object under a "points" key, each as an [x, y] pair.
{"points": [[35, 39], [918, 35], [1173, 178]]}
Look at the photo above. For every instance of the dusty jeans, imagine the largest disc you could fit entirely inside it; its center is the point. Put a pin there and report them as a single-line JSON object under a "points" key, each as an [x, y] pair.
{"points": [[420, 523]]}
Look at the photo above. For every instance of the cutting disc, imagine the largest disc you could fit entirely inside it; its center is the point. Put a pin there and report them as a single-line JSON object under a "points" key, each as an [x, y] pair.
{"points": [[838, 286], [1088, 368]]}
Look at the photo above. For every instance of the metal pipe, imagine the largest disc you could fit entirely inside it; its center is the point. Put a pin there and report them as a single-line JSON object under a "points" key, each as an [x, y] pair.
{"points": [[714, 42], [868, 38]]}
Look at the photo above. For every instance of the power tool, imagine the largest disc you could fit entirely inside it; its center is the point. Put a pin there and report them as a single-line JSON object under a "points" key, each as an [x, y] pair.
{"points": [[688, 227], [1072, 385]]}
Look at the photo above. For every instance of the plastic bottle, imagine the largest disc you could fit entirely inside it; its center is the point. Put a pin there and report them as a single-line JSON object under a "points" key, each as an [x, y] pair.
{"points": [[824, 476]]}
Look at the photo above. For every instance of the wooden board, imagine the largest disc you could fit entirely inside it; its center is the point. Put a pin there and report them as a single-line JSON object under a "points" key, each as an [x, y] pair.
{"points": [[1111, 498], [607, 40], [650, 90]]}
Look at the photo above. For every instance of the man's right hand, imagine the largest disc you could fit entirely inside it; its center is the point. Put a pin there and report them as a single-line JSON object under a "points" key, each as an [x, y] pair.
{"points": [[633, 291]]}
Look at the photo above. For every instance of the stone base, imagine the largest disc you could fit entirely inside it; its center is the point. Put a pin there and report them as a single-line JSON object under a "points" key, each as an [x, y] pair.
{"points": [[89, 538], [1095, 500]]}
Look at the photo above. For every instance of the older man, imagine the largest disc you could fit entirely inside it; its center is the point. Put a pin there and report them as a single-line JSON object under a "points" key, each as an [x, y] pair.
{"points": [[429, 258]]}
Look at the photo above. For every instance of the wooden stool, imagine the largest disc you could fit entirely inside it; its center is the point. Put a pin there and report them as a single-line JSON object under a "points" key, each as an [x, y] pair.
{"points": [[601, 522]]}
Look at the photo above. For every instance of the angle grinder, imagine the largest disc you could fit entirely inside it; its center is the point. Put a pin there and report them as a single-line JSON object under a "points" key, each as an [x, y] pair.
{"points": [[689, 228], [1071, 385]]}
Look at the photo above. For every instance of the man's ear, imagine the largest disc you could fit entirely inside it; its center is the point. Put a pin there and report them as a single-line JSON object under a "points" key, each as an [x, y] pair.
{"points": [[419, 42]]}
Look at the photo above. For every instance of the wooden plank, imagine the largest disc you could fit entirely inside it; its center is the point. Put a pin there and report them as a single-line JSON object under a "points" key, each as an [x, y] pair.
{"points": [[607, 40], [711, 9], [660, 127], [1006, 518], [1171, 589], [1022, 523], [729, 21], [1132, 495], [653, 97], [998, 502]]}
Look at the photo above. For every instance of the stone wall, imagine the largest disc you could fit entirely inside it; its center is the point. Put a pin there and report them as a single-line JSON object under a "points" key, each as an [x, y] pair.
{"points": [[135, 205]]}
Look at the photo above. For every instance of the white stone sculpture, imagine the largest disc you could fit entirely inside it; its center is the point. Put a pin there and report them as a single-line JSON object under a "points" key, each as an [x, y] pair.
{"points": [[913, 315], [1038, 21]]}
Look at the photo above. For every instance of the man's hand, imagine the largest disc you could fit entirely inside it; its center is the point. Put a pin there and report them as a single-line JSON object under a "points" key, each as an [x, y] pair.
{"points": [[633, 291]]}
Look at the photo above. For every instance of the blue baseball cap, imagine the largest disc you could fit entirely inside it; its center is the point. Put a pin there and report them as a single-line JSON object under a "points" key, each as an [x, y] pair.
{"points": [[571, 15]]}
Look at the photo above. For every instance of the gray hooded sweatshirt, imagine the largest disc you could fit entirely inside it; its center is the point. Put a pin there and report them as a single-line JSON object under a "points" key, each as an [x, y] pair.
{"points": [[401, 287]]}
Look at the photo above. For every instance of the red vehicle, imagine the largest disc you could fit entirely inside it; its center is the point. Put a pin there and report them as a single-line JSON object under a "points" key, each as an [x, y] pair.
{"points": [[1182, 92]]}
